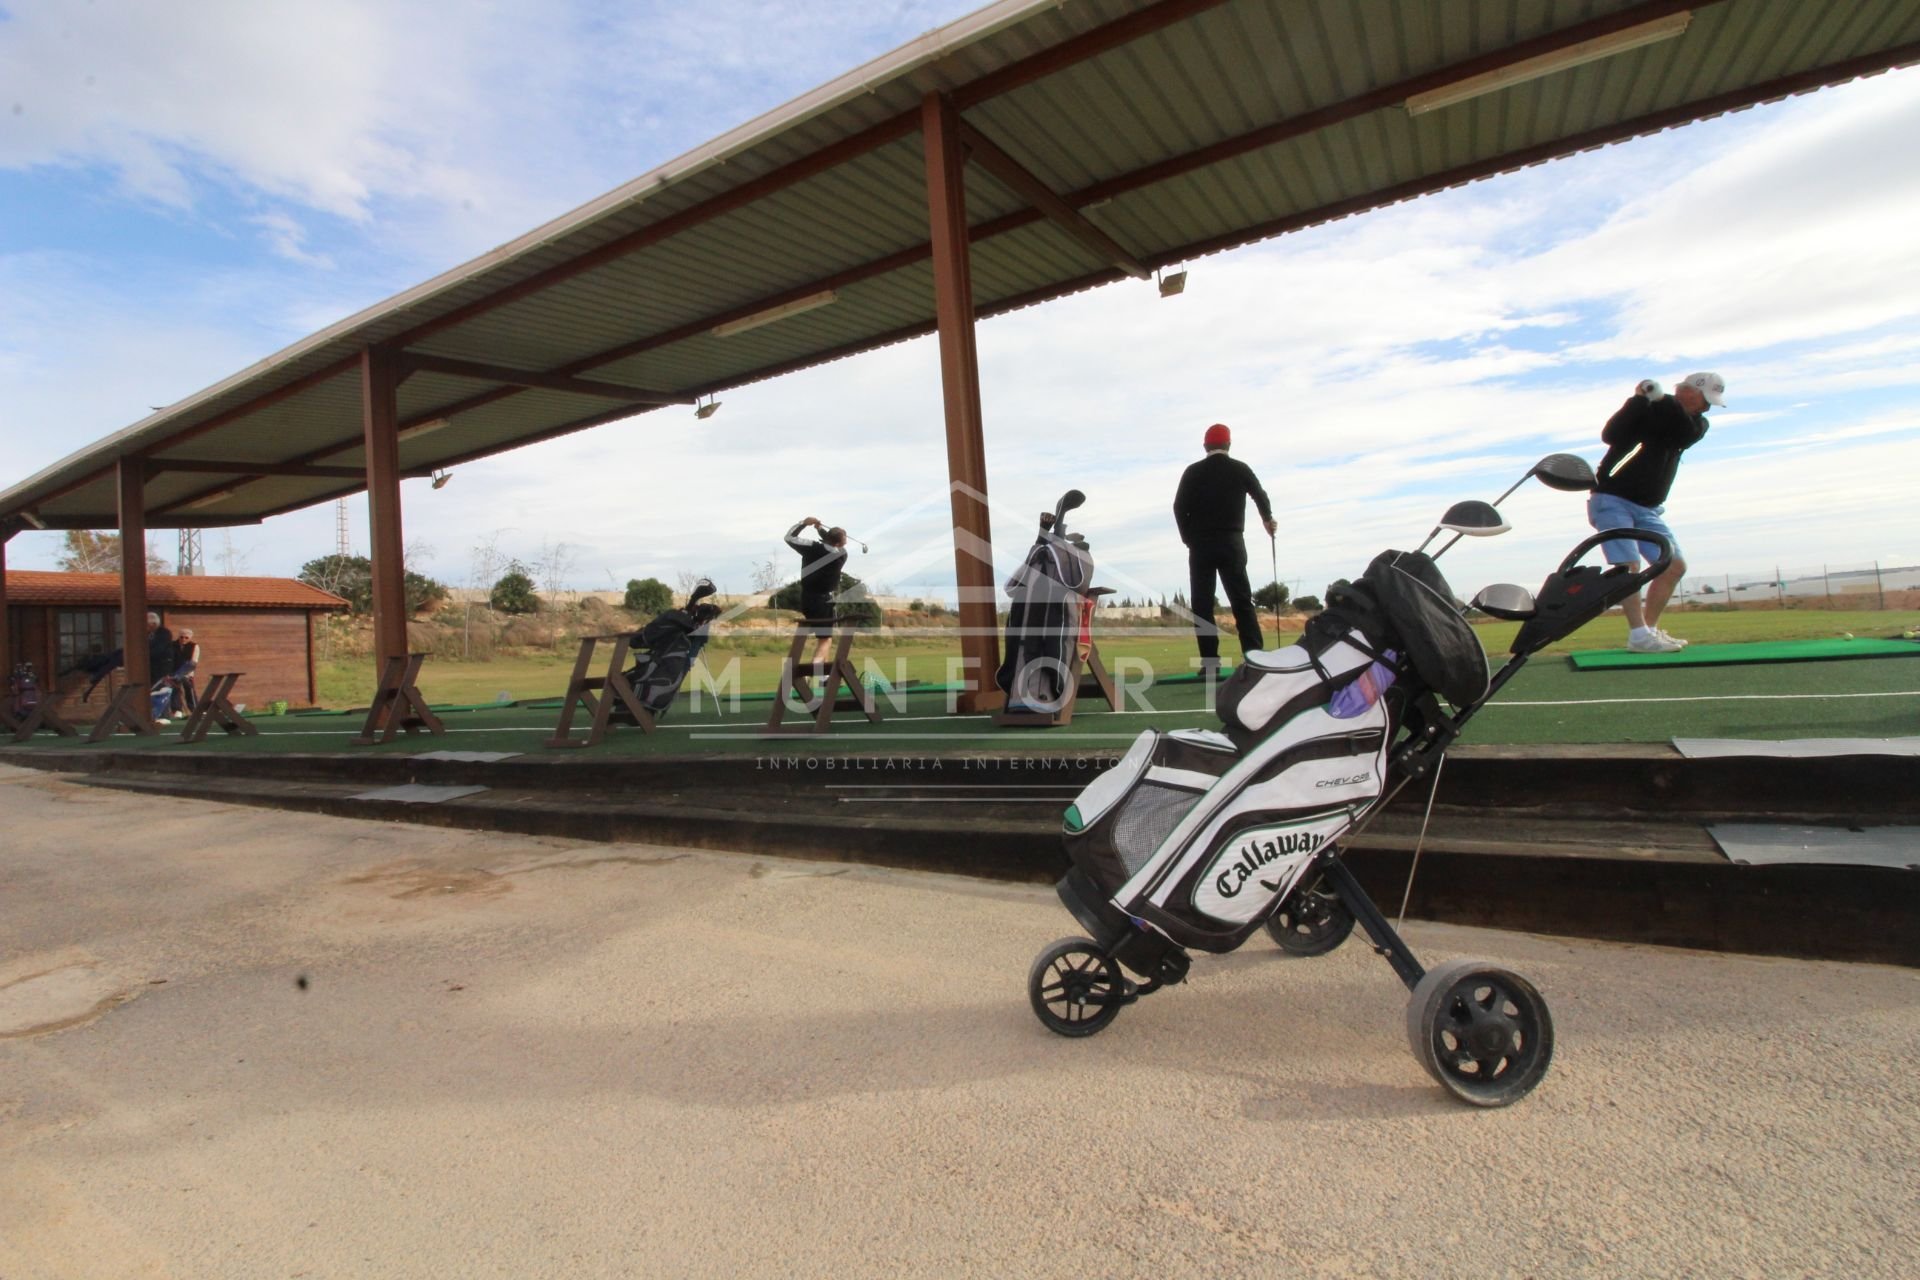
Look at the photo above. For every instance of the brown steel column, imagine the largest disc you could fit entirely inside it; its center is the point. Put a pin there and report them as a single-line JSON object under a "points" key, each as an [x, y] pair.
{"points": [[133, 579], [380, 417], [6, 622], [960, 385]]}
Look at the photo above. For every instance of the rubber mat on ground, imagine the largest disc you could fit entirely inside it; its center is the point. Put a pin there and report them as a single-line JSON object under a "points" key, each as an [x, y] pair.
{"points": [[415, 793], [1712, 655], [1771, 844], [1795, 748]]}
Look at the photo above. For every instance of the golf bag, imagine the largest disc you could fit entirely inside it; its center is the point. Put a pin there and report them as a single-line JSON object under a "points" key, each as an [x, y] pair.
{"points": [[1202, 835], [665, 648], [1048, 614], [23, 691]]}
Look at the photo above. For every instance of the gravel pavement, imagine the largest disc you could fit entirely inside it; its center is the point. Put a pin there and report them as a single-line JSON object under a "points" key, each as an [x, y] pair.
{"points": [[239, 1042]]}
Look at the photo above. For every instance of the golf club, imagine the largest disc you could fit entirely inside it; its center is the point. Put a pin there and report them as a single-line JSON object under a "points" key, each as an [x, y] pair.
{"points": [[1273, 547], [1567, 472]]}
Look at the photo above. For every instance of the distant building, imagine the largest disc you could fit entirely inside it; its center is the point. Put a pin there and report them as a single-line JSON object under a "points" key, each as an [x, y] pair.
{"points": [[261, 626]]}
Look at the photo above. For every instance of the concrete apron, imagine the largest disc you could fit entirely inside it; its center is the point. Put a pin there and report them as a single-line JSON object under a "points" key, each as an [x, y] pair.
{"points": [[1596, 842]]}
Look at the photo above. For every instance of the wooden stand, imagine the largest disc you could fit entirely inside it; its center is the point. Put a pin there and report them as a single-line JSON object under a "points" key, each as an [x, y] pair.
{"points": [[839, 673], [43, 716], [215, 707], [598, 695], [397, 704], [131, 709], [1086, 674]]}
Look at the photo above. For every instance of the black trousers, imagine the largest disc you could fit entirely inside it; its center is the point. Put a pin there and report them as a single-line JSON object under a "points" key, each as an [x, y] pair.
{"points": [[1225, 557]]}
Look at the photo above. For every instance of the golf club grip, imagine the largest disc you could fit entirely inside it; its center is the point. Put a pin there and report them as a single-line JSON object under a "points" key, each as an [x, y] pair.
{"points": [[1648, 574]]}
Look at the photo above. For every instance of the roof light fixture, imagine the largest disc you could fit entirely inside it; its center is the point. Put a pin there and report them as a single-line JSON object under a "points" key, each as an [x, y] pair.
{"points": [[33, 518], [1172, 282], [811, 302], [440, 479], [418, 429], [708, 409], [207, 500], [1546, 64]]}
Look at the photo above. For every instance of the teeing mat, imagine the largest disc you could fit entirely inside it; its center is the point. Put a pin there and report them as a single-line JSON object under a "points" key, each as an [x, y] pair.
{"points": [[1765, 844], [1719, 655]]}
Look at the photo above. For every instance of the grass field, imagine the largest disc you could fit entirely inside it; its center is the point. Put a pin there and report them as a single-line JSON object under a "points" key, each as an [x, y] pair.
{"points": [[755, 666]]}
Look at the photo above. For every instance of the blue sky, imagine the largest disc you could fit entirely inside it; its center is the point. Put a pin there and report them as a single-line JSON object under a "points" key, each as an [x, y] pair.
{"points": [[184, 190]]}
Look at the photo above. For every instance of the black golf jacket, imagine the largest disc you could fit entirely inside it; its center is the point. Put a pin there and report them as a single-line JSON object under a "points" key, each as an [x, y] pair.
{"points": [[819, 573], [1644, 442]]}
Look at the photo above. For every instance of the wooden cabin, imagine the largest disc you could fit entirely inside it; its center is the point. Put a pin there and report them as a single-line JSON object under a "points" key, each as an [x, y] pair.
{"points": [[261, 626]]}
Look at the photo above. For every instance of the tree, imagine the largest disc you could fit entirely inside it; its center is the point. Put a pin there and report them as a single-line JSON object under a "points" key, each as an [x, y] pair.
{"points": [[765, 576], [351, 578], [1307, 604], [86, 551], [852, 600], [647, 595], [514, 593], [1271, 596], [553, 568]]}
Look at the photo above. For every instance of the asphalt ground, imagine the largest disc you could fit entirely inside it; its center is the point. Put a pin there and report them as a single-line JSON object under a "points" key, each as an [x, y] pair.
{"points": [[535, 1057], [1547, 702]]}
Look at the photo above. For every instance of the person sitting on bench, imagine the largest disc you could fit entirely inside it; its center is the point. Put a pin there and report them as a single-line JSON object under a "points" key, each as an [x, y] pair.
{"points": [[822, 562], [186, 660]]}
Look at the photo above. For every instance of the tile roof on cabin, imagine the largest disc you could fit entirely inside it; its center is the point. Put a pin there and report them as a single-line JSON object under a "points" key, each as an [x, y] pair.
{"points": [[39, 587]]}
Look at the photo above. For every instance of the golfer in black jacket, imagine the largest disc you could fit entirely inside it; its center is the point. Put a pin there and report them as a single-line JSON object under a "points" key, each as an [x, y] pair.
{"points": [[1211, 509], [822, 562]]}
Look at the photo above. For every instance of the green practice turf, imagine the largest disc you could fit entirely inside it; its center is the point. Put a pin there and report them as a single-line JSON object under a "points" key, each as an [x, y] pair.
{"points": [[1545, 703], [1720, 655]]}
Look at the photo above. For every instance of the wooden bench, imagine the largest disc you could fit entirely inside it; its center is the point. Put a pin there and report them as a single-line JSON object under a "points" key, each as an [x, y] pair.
{"points": [[40, 716], [397, 704], [215, 706], [602, 695], [839, 672], [130, 708]]}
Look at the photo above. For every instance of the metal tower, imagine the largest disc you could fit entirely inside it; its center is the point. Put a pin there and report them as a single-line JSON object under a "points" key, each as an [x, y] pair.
{"points": [[340, 544], [190, 559]]}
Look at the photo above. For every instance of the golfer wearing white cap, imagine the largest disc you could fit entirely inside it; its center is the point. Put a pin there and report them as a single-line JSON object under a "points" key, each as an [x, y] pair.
{"points": [[1644, 442]]}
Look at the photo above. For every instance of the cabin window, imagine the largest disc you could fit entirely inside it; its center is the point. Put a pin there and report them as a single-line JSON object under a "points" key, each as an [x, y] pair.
{"points": [[84, 635]]}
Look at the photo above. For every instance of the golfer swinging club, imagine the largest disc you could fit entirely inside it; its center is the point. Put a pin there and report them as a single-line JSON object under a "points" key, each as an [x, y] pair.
{"points": [[822, 560], [1210, 508], [1644, 442]]}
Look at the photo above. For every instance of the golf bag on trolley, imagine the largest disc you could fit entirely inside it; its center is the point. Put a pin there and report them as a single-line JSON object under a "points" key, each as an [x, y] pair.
{"points": [[1196, 839], [665, 648], [1048, 615], [1201, 835]]}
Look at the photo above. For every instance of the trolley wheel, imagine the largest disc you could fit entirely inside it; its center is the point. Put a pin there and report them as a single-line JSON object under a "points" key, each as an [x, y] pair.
{"points": [[1076, 989], [1482, 1031], [1311, 922]]}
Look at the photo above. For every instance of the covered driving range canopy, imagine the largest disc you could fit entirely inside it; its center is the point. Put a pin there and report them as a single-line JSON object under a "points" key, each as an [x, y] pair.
{"points": [[1030, 150]]}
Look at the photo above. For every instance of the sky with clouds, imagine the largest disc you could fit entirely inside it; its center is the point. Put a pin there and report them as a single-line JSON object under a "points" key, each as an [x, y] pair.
{"points": [[187, 189]]}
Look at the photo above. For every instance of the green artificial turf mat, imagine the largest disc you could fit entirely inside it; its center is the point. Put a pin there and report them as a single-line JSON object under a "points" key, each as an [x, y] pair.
{"points": [[1720, 655]]}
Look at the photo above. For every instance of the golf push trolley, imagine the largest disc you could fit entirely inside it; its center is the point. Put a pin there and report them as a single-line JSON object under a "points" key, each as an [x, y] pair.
{"points": [[1195, 840]]}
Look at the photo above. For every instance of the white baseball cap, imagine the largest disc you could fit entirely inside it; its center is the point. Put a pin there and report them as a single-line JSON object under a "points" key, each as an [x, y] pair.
{"points": [[1710, 385]]}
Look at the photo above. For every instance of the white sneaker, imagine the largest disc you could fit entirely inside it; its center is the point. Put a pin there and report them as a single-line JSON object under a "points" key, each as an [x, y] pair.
{"points": [[1652, 642], [1662, 633]]}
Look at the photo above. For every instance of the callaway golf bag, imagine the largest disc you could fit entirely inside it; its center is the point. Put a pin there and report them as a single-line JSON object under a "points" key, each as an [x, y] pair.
{"points": [[1045, 619], [1196, 839], [664, 650]]}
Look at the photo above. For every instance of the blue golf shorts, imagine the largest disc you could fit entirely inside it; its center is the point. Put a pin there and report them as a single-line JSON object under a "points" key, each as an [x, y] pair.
{"points": [[1609, 511]]}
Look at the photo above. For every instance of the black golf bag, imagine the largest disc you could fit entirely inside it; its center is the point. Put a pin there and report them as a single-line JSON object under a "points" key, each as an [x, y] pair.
{"points": [[1045, 618], [665, 648]]}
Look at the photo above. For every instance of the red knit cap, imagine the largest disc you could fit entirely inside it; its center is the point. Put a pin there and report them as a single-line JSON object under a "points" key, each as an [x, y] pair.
{"points": [[1218, 437]]}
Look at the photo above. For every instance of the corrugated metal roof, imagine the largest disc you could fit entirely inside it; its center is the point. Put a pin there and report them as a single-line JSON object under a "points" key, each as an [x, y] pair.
{"points": [[37, 587], [1180, 128]]}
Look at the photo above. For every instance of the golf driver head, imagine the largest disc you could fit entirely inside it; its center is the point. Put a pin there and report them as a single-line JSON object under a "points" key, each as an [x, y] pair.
{"points": [[1474, 519], [1567, 472], [701, 590]]}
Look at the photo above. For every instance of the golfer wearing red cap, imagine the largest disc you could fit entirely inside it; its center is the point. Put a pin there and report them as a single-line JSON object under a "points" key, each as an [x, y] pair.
{"points": [[1211, 509]]}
